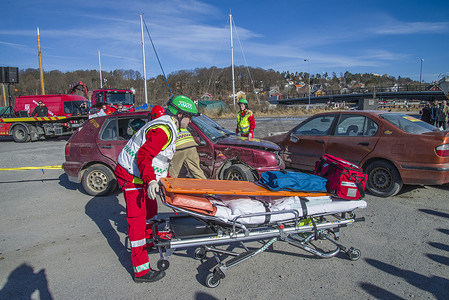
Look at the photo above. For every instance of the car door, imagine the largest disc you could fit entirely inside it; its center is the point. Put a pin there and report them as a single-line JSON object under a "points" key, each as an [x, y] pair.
{"points": [[354, 137], [307, 142], [114, 135]]}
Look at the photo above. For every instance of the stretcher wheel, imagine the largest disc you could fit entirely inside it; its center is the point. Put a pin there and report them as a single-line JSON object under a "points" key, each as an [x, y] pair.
{"points": [[200, 253], [211, 281], [354, 254], [163, 264]]}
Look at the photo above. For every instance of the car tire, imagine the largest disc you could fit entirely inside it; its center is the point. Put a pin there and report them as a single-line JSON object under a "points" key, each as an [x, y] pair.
{"points": [[20, 134], [99, 180], [238, 172], [384, 179]]}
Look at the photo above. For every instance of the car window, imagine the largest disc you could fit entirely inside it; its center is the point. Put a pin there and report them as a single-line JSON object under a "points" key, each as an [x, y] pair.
{"points": [[355, 125], [118, 128], [408, 124], [72, 107], [109, 131], [196, 136], [319, 125], [125, 132]]}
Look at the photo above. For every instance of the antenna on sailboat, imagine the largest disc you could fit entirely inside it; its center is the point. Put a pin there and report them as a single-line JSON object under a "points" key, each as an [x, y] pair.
{"points": [[157, 56], [232, 60], [246, 63], [99, 65], [143, 57]]}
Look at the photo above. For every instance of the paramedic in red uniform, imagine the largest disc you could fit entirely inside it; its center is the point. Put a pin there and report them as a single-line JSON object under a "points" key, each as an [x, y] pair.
{"points": [[245, 120], [142, 163]]}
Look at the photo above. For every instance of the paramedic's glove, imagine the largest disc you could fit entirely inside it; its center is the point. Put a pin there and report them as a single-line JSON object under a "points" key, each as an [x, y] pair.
{"points": [[251, 135], [153, 189]]}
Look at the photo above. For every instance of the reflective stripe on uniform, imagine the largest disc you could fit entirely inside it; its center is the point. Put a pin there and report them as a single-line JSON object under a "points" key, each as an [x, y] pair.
{"points": [[243, 122], [145, 266], [138, 243], [166, 130], [133, 189], [137, 180]]}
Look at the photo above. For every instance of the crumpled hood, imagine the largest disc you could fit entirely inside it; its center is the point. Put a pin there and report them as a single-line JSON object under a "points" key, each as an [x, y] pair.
{"points": [[245, 142]]}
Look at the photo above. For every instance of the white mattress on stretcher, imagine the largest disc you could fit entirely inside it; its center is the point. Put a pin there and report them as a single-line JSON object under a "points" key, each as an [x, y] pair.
{"points": [[230, 207]]}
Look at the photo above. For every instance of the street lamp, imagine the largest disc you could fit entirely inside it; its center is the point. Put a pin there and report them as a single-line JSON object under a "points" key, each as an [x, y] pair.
{"points": [[420, 72], [308, 71]]}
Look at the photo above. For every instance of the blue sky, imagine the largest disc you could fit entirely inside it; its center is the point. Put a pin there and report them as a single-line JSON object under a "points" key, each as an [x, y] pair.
{"points": [[374, 36]]}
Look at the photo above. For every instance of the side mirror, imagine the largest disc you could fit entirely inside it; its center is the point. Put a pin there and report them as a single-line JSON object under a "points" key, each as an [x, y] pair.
{"points": [[294, 138]]}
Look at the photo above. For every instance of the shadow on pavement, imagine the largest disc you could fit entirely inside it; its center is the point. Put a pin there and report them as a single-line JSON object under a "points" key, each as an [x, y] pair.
{"points": [[23, 282], [103, 210], [435, 285], [64, 182]]}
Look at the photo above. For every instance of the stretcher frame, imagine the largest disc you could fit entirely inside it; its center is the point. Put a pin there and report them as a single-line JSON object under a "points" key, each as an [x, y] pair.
{"points": [[225, 232]]}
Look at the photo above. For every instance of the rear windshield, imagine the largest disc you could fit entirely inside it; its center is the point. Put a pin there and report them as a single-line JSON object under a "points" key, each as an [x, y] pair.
{"points": [[408, 124]]}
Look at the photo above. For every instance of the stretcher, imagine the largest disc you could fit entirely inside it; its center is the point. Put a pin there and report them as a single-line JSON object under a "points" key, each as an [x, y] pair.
{"points": [[209, 216]]}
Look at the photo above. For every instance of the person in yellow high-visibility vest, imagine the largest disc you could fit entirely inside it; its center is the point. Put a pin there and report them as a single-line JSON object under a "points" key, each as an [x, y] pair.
{"points": [[245, 120], [186, 154]]}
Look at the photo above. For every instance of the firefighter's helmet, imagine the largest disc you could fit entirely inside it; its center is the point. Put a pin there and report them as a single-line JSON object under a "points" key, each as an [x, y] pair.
{"points": [[156, 112]]}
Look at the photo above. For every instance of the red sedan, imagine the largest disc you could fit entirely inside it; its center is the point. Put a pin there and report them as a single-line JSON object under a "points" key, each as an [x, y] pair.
{"points": [[91, 152], [393, 148]]}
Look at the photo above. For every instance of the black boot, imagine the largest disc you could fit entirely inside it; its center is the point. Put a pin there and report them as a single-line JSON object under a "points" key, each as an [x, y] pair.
{"points": [[151, 276]]}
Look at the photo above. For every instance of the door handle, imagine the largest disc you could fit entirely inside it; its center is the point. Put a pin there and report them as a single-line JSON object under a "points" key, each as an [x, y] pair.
{"points": [[320, 141], [364, 143], [106, 147]]}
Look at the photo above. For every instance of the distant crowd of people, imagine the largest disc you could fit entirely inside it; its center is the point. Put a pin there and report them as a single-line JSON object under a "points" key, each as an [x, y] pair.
{"points": [[436, 114]]}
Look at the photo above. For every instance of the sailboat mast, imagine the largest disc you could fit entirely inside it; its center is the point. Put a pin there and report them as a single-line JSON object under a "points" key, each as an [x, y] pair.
{"points": [[232, 60], [99, 65], [144, 68], [40, 62]]}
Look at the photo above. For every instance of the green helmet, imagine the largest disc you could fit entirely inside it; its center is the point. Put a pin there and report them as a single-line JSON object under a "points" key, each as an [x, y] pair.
{"points": [[183, 105]]}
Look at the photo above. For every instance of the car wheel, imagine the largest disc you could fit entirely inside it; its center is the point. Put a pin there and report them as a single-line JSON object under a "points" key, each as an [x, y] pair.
{"points": [[99, 180], [238, 172], [384, 179], [20, 134]]}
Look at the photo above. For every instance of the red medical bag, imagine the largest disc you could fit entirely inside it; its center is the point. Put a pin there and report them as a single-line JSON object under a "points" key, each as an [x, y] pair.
{"points": [[344, 179]]}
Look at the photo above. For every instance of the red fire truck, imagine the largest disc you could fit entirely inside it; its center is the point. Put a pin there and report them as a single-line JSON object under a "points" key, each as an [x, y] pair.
{"points": [[112, 97], [64, 113], [64, 117]]}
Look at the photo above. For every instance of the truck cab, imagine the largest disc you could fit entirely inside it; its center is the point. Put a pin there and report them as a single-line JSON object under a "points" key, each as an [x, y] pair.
{"points": [[112, 97]]}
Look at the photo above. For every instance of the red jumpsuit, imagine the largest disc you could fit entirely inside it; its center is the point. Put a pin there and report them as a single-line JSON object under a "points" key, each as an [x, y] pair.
{"points": [[139, 207]]}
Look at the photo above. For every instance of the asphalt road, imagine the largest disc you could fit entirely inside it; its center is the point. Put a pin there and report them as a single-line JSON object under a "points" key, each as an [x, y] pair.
{"points": [[56, 242]]}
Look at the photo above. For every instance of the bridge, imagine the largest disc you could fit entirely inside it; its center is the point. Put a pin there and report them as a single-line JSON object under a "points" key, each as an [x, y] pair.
{"points": [[354, 96]]}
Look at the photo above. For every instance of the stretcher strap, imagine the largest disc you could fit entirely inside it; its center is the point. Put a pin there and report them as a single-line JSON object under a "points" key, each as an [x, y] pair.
{"points": [[303, 206], [265, 205]]}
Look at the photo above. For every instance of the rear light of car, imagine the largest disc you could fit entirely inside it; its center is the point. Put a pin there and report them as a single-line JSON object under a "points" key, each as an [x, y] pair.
{"points": [[442, 150], [67, 149]]}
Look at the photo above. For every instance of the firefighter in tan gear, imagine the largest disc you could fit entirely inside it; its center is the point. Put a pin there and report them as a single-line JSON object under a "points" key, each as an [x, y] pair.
{"points": [[142, 163], [245, 120], [186, 154]]}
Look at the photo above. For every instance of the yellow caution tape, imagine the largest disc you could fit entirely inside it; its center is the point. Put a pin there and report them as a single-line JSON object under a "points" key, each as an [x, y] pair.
{"points": [[32, 168]]}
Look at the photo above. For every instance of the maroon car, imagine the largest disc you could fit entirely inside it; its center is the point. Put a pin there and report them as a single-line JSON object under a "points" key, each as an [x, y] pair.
{"points": [[91, 152], [393, 148]]}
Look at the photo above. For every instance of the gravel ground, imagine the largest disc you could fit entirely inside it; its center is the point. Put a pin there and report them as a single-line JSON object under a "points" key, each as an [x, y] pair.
{"points": [[56, 242]]}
